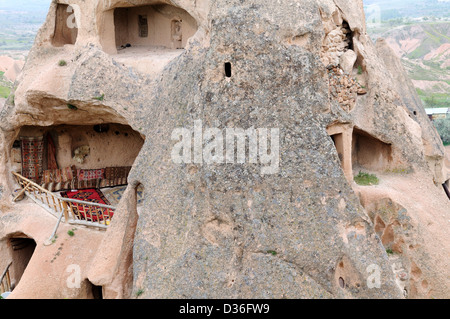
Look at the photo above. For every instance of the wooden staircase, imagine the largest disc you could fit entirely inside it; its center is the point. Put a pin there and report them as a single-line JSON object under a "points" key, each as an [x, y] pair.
{"points": [[20, 243]]}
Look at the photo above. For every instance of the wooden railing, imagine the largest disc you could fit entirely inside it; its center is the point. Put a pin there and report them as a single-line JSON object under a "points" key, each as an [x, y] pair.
{"points": [[74, 211], [5, 280]]}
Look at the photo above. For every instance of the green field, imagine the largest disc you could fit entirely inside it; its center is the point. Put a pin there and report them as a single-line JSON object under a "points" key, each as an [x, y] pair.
{"points": [[431, 34], [396, 9], [5, 87], [19, 22], [433, 99], [4, 91]]}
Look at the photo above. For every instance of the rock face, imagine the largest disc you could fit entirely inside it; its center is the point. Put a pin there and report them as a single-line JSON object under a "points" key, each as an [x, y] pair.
{"points": [[434, 150], [10, 67], [211, 226]]}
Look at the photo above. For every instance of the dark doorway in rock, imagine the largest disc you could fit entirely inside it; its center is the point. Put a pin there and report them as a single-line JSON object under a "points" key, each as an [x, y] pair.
{"points": [[348, 35], [66, 28], [228, 72], [97, 291], [143, 26], [21, 249], [369, 152]]}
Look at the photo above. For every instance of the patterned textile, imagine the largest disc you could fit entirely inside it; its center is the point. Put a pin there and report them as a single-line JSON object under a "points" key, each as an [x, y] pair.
{"points": [[90, 213], [89, 174], [32, 149], [87, 178], [58, 175], [84, 184], [57, 179], [115, 176], [72, 178], [51, 154], [114, 195]]}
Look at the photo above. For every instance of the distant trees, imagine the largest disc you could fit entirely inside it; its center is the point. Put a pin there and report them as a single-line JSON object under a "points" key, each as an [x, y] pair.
{"points": [[443, 128]]}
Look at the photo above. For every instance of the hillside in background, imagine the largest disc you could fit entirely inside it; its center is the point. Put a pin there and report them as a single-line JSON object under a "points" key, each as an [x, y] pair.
{"points": [[19, 22], [419, 33], [417, 30], [394, 9]]}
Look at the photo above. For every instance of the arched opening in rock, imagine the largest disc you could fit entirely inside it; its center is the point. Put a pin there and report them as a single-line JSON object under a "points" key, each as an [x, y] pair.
{"points": [[158, 26], [21, 249], [346, 276], [348, 35], [93, 291], [78, 160], [369, 152], [341, 282], [146, 36], [66, 30], [227, 68]]}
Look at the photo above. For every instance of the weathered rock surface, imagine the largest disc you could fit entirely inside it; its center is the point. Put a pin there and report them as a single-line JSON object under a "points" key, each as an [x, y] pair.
{"points": [[10, 67], [226, 230], [434, 150]]}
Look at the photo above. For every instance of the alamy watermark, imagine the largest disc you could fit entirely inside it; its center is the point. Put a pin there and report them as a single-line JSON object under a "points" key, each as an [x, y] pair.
{"points": [[198, 145], [374, 278], [373, 15], [73, 281], [74, 19]]}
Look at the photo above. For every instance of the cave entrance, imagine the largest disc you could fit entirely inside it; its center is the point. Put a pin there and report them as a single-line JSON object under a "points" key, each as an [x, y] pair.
{"points": [[146, 37], [359, 150], [153, 26], [66, 30], [369, 152], [21, 250], [93, 291], [81, 162]]}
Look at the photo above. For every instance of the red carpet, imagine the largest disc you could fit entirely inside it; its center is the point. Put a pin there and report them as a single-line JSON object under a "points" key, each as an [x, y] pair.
{"points": [[90, 213]]}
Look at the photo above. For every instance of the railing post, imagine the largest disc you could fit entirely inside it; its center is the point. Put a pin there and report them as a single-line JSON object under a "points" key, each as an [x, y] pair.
{"points": [[66, 211], [84, 211], [50, 240], [5, 280]]}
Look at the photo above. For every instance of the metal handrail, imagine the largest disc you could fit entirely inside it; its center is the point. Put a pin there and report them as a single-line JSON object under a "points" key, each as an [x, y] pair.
{"points": [[72, 209]]}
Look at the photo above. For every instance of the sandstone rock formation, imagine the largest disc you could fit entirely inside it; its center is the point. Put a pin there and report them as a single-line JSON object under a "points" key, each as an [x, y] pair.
{"points": [[225, 230], [10, 67]]}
